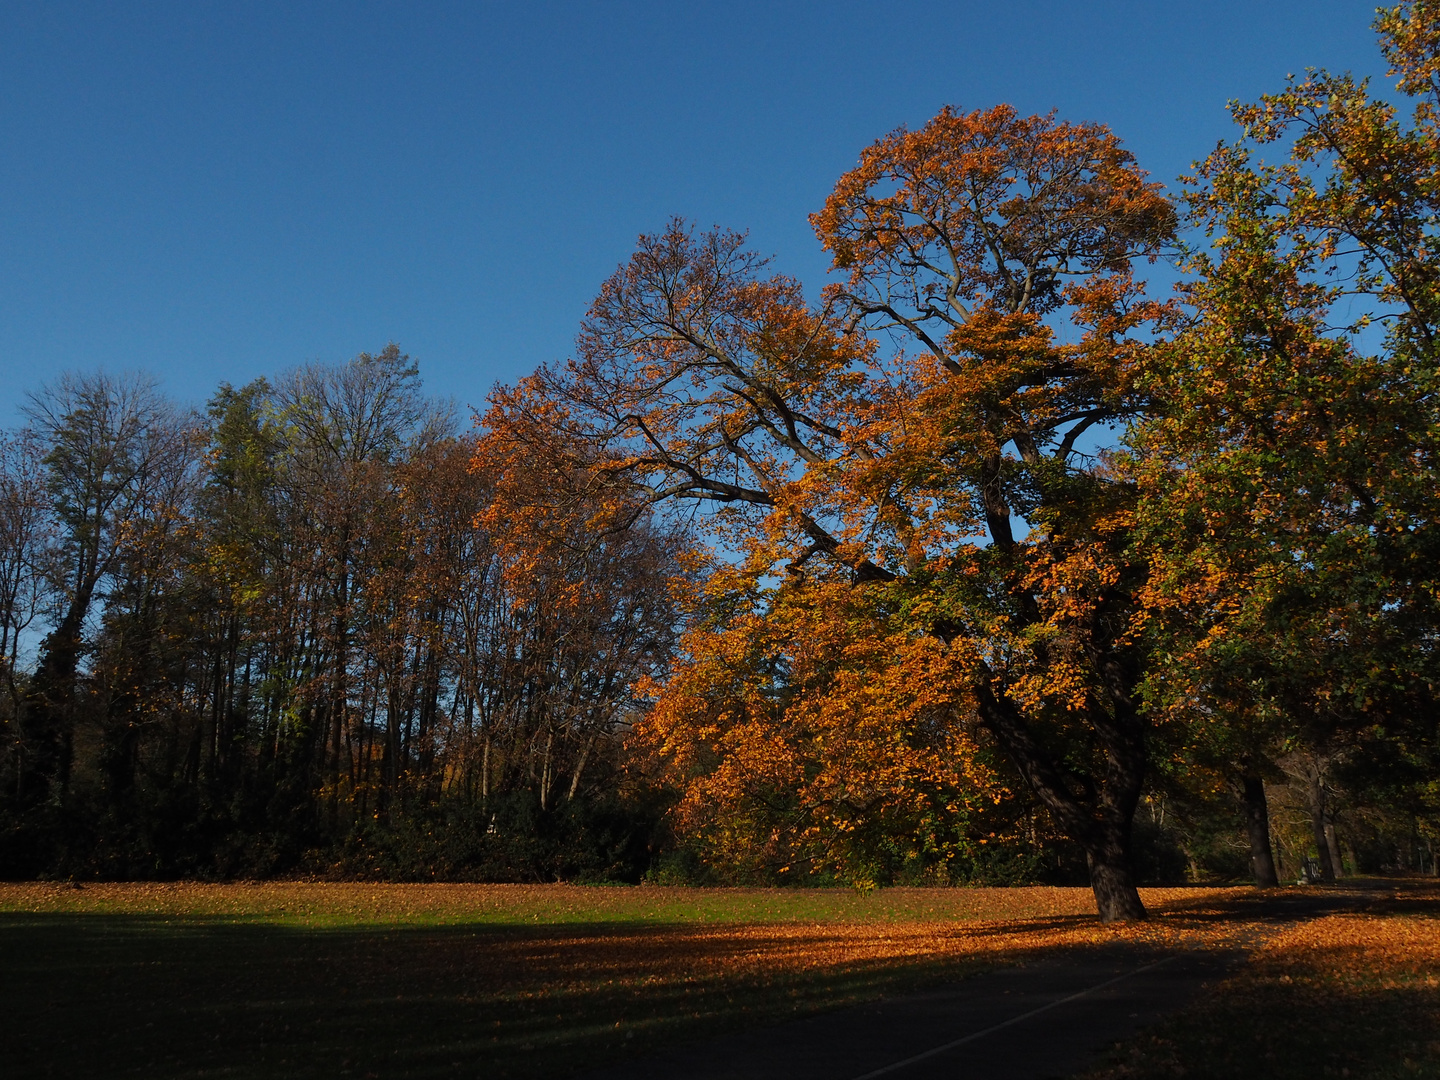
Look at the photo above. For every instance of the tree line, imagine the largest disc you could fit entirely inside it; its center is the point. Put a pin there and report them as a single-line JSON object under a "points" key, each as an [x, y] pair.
{"points": [[987, 564], [277, 639]]}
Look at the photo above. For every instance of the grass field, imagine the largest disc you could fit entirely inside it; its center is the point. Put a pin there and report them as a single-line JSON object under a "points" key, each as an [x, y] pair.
{"points": [[1347, 995], [497, 981]]}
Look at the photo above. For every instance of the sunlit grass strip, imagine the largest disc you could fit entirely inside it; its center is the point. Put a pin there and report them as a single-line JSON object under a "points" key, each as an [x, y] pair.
{"points": [[320, 903]]}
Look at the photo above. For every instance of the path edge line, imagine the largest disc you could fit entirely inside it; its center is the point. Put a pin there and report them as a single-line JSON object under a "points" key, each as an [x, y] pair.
{"points": [[894, 1066]]}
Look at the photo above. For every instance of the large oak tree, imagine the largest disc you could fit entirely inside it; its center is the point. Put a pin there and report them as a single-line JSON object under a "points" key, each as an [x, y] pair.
{"points": [[922, 431]]}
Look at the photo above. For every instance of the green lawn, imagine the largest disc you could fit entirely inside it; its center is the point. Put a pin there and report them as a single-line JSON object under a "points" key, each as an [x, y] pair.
{"points": [[323, 980], [504, 981], [334, 904]]}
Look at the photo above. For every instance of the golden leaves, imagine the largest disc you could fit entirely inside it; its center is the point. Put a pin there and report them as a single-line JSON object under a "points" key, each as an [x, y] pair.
{"points": [[791, 728], [969, 187], [1345, 994]]}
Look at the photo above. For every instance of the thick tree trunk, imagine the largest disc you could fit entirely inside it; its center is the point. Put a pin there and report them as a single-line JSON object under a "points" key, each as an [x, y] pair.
{"points": [[1098, 820], [1257, 825], [1116, 897]]}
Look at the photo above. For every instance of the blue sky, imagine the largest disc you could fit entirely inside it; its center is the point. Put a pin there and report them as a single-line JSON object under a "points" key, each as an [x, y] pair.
{"points": [[218, 191]]}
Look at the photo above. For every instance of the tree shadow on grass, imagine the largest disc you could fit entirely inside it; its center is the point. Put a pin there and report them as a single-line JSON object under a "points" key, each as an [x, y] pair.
{"points": [[115, 995], [164, 996], [1357, 997], [1293, 1030], [1251, 911]]}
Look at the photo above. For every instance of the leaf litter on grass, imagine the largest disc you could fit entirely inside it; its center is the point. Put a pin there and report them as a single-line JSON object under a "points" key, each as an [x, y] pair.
{"points": [[1353, 994], [523, 980], [360, 902]]}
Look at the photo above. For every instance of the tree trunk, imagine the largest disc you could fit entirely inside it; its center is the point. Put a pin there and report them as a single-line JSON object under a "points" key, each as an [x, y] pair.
{"points": [[580, 767], [48, 721], [390, 756], [1116, 897], [545, 772], [1315, 795], [1257, 825], [1100, 818], [1332, 842]]}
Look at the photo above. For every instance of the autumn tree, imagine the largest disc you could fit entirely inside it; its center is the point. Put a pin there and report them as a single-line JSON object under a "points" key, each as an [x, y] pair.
{"points": [[1001, 249], [591, 582], [923, 429], [1289, 481], [114, 446], [817, 736]]}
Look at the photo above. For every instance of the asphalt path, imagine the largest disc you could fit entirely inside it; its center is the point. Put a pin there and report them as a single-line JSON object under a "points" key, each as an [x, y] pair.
{"points": [[1028, 1022]]}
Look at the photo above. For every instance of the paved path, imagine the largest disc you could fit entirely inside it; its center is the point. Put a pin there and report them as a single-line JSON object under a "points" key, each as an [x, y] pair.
{"points": [[1028, 1022], [1036, 1021]]}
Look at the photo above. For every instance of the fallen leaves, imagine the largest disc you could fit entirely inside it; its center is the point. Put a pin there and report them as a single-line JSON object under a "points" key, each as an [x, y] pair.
{"points": [[1348, 995], [291, 976]]}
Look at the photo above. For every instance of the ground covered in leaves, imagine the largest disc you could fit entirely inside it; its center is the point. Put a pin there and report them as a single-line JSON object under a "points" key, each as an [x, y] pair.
{"points": [[1355, 994], [300, 979]]}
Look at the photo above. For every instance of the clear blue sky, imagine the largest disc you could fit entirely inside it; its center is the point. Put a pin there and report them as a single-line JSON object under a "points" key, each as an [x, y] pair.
{"points": [[218, 191]]}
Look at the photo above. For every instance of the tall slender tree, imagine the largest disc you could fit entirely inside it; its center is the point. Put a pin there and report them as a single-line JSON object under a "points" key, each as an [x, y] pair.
{"points": [[114, 445], [27, 575]]}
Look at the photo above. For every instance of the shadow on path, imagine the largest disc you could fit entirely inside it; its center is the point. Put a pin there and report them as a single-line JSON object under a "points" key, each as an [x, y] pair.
{"points": [[110, 995], [1036, 1020]]}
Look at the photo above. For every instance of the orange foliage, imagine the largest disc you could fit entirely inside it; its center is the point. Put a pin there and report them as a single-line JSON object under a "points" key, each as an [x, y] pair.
{"points": [[999, 248], [803, 731]]}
